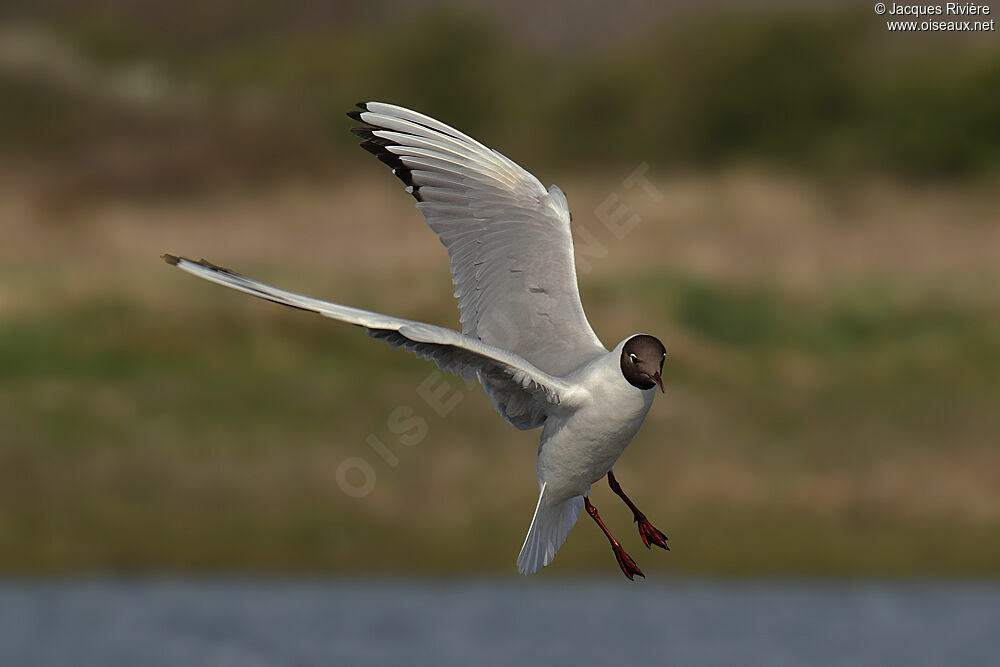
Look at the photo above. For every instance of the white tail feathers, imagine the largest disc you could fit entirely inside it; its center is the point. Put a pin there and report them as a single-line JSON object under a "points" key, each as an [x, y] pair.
{"points": [[549, 529]]}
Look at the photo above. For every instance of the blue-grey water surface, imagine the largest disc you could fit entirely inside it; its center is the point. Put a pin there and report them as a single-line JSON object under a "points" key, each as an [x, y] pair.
{"points": [[187, 622]]}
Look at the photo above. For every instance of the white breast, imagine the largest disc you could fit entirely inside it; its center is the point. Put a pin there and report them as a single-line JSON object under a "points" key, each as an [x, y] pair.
{"points": [[580, 447]]}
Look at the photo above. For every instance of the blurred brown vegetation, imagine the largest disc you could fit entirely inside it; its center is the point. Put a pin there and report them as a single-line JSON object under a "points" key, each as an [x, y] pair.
{"points": [[157, 97], [823, 266]]}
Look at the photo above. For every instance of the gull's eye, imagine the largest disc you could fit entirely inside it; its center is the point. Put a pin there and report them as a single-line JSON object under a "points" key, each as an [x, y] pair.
{"points": [[633, 358]]}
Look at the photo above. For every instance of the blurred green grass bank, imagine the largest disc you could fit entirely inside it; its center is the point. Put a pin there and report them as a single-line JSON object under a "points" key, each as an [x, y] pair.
{"points": [[819, 248]]}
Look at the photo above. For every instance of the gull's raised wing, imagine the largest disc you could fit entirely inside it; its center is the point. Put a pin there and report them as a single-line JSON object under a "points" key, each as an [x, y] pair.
{"points": [[522, 393], [508, 239]]}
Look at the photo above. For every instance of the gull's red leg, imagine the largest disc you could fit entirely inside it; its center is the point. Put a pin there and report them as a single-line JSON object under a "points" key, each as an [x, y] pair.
{"points": [[625, 561], [647, 531]]}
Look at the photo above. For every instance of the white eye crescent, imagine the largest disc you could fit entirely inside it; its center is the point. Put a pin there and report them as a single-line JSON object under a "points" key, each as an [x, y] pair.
{"points": [[632, 357]]}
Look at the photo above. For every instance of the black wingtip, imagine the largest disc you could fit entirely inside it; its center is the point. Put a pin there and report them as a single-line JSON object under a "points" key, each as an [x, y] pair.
{"points": [[377, 146], [215, 267], [372, 148], [172, 260], [368, 135]]}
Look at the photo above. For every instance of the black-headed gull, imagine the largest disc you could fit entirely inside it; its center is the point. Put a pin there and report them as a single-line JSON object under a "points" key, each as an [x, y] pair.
{"points": [[524, 333]]}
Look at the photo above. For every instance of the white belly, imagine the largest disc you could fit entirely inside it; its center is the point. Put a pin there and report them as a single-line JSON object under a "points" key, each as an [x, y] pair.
{"points": [[579, 449]]}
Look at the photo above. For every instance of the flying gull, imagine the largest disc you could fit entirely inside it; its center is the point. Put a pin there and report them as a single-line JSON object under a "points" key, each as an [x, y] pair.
{"points": [[524, 333]]}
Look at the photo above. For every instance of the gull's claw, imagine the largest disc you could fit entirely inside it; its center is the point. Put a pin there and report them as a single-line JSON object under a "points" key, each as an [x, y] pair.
{"points": [[650, 534], [626, 563]]}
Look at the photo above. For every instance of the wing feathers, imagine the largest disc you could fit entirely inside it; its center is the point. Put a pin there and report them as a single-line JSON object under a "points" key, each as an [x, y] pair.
{"points": [[508, 239], [522, 393]]}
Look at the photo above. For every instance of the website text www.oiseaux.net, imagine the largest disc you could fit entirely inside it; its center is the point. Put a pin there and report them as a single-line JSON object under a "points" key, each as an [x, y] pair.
{"points": [[946, 17]]}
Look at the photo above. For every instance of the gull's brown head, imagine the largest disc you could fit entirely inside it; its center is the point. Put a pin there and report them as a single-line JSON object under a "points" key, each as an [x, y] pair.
{"points": [[642, 361]]}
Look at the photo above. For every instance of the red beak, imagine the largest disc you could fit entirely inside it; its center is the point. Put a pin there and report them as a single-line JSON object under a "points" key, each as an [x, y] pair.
{"points": [[659, 381]]}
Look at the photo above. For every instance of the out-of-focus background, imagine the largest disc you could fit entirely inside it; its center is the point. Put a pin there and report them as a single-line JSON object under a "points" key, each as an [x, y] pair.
{"points": [[815, 236], [813, 228]]}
